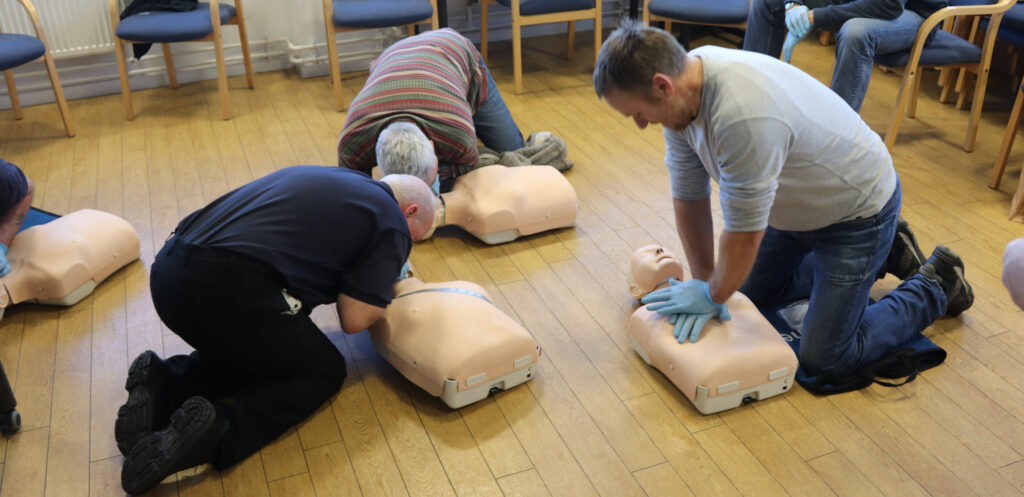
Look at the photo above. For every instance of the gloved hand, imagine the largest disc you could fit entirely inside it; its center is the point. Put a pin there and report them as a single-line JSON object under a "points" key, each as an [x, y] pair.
{"points": [[798, 20], [5, 267], [787, 47], [688, 305], [405, 272], [436, 185]]}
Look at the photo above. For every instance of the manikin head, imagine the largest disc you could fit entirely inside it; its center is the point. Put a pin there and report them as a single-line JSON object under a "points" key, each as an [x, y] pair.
{"points": [[650, 267], [416, 202], [644, 74], [402, 148]]}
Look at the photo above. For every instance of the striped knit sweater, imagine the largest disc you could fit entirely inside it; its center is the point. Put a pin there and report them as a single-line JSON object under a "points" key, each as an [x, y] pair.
{"points": [[435, 79]]}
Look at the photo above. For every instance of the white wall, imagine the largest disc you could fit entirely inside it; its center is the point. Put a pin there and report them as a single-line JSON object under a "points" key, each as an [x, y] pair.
{"points": [[282, 34]]}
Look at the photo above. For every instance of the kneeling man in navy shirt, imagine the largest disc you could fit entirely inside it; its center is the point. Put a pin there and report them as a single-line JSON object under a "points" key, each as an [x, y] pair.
{"points": [[237, 280]]}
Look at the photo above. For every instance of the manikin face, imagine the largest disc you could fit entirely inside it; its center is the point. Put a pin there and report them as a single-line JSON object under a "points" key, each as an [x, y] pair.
{"points": [[652, 265]]}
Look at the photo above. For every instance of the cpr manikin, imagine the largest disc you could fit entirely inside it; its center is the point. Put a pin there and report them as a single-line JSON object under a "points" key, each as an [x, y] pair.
{"points": [[450, 340], [498, 204], [61, 262], [733, 362]]}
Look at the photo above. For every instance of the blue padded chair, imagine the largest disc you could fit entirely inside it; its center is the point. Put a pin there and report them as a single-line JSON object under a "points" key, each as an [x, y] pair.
{"points": [[530, 12], [355, 15], [946, 50], [201, 24], [727, 13], [18, 49]]}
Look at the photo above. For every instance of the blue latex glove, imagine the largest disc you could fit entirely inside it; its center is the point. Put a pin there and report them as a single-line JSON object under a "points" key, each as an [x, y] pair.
{"points": [[798, 20], [5, 267], [688, 305], [787, 47], [436, 185], [405, 272]]}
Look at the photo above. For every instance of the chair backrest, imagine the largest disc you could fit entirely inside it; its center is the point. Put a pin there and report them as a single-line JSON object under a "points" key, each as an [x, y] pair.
{"points": [[33, 15], [994, 10]]}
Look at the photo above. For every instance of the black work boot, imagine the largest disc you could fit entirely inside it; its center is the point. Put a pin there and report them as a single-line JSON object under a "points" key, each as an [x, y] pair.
{"points": [[947, 269], [145, 411], [905, 256], [189, 440]]}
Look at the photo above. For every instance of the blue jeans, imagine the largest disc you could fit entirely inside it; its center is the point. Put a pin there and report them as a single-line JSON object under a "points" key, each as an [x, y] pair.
{"points": [[857, 42], [835, 268], [493, 122]]}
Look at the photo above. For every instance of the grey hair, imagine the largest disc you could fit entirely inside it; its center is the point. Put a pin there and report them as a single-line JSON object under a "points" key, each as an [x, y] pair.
{"points": [[409, 190], [402, 148], [632, 55]]}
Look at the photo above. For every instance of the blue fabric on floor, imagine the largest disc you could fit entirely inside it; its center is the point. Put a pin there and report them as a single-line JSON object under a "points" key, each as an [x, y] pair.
{"points": [[36, 217], [906, 361]]}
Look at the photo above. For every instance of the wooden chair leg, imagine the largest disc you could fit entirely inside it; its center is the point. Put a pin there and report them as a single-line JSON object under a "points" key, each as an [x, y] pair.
{"points": [[58, 92], [901, 103], [1017, 204], [169, 61], [13, 93], [976, 107], [222, 76], [122, 70], [912, 103], [332, 56], [572, 40], [964, 85], [598, 34], [947, 79], [1008, 137], [483, 29], [243, 38], [517, 55], [411, 29]]}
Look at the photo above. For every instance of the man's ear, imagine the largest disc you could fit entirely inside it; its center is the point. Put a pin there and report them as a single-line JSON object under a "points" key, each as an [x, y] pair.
{"points": [[410, 210], [663, 85]]}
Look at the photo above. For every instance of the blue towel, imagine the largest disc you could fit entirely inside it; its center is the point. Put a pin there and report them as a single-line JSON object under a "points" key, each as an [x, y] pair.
{"points": [[37, 217], [905, 361]]}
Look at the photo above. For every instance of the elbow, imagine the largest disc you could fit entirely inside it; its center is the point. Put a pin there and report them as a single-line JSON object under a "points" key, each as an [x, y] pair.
{"points": [[356, 324]]}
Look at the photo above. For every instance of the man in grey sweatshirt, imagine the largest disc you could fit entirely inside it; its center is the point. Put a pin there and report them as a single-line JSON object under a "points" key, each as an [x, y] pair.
{"points": [[808, 193]]}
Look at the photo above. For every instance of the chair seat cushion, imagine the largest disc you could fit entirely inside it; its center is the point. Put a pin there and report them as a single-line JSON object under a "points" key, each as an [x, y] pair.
{"points": [[1013, 18], [167, 27], [717, 12], [16, 49], [1008, 32], [945, 49], [536, 7], [380, 13]]}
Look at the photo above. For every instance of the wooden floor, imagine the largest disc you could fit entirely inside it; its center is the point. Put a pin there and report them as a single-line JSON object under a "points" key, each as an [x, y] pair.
{"points": [[595, 420]]}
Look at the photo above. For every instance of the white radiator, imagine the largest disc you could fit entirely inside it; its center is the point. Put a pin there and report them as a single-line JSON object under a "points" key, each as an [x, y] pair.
{"points": [[72, 27]]}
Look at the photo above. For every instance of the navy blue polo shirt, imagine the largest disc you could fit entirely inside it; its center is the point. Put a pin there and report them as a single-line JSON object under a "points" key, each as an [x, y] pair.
{"points": [[327, 230]]}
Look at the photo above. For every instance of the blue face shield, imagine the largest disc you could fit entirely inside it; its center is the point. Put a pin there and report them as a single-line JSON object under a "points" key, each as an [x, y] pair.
{"points": [[436, 186]]}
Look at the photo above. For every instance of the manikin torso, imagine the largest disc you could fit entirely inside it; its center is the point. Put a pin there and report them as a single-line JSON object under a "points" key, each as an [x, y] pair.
{"points": [[732, 360], [439, 334], [498, 204], [62, 261]]}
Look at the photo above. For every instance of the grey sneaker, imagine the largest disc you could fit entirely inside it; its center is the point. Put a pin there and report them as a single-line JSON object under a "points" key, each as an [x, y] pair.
{"points": [[947, 269], [905, 257]]}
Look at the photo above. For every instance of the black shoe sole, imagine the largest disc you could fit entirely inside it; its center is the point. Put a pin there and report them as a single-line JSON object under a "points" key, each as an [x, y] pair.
{"points": [[136, 418], [963, 299], [164, 453], [905, 237]]}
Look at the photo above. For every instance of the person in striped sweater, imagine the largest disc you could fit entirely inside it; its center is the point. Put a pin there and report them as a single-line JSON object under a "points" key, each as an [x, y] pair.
{"points": [[427, 100]]}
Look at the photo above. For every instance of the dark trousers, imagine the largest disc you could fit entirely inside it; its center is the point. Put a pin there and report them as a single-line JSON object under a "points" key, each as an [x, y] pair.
{"points": [[263, 369]]}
